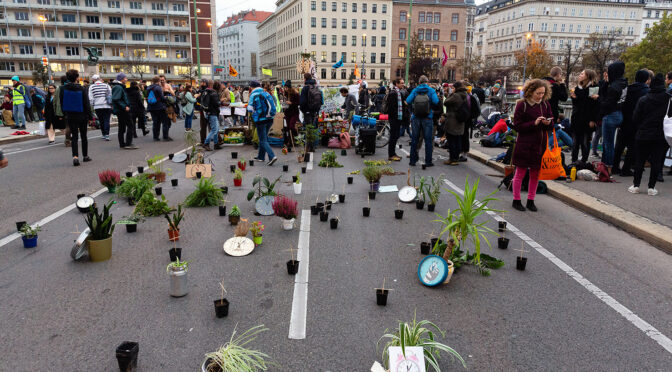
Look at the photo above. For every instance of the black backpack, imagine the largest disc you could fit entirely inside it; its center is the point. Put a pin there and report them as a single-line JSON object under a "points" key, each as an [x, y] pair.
{"points": [[475, 106], [383, 107], [422, 105], [314, 99]]}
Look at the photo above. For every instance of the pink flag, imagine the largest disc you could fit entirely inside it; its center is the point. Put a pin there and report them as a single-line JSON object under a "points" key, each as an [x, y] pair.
{"points": [[445, 57]]}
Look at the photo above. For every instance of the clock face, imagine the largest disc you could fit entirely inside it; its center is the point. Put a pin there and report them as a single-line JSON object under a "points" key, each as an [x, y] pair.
{"points": [[407, 194], [432, 270], [264, 205], [85, 202], [408, 366]]}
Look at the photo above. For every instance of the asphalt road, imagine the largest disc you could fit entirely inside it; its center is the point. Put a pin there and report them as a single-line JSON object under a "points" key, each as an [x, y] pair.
{"points": [[61, 315]]}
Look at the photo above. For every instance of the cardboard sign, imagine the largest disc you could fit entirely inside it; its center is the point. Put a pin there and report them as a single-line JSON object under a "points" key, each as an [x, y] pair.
{"points": [[225, 111], [205, 169], [242, 111]]}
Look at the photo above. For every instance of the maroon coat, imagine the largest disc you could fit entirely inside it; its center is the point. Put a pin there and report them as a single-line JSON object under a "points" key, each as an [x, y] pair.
{"points": [[532, 140]]}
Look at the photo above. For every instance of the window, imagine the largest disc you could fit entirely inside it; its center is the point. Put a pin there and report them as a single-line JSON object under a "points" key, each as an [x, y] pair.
{"points": [[435, 35], [373, 41], [344, 56], [138, 37], [344, 23], [437, 17], [421, 34], [19, 1], [323, 73], [402, 34], [363, 24], [562, 43], [313, 22], [429, 18], [313, 5], [115, 36], [324, 40], [562, 27], [160, 53], [421, 17], [324, 6], [530, 27], [383, 24], [374, 24], [117, 52], [382, 59], [113, 4], [354, 40], [160, 37], [92, 19], [384, 9], [313, 39], [363, 40], [333, 6], [180, 38], [181, 54], [353, 58], [587, 29], [571, 28], [334, 55], [25, 49], [91, 3], [344, 7], [178, 7], [364, 8], [137, 21], [94, 35], [354, 7], [373, 74], [435, 51], [158, 22], [402, 50], [354, 23], [455, 18], [343, 74], [68, 18], [333, 23], [383, 41], [552, 43], [23, 32], [344, 40], [428, 34], [157, 6], [21, 16], [49, 50], [69, 34], [136, 5], [333, 40], [324, 23], [140, 53], [373, 57], [115, 20], [452, 52], [71, 50], [402, 17]]}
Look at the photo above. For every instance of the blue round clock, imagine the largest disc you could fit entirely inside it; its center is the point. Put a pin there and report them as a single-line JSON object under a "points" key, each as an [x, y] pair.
{"points": [[432, 270], [264, 205]]}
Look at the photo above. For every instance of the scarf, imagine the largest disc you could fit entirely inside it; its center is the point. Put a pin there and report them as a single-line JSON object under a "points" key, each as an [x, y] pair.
{"points": [[400, 113]]}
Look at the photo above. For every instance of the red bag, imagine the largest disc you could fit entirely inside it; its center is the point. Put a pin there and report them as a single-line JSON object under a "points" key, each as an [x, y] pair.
{"points": [[383, 117], [345, 140], [334, 143], [602, 172]]}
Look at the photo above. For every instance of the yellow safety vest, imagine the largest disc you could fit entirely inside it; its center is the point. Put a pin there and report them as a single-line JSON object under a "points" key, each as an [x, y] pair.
{"points": [[17, 95], [233, 97]]}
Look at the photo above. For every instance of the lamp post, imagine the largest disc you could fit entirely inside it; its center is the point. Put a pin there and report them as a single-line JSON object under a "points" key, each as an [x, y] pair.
{"points": [[408, 40], [212, 54], [198, 48], [363, 54], [527, 44], [43, 19]]}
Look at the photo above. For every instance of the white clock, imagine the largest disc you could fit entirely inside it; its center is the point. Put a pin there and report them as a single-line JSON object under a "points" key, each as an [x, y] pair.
{"points": [[408, 366], [407, 194], [411, 360]]}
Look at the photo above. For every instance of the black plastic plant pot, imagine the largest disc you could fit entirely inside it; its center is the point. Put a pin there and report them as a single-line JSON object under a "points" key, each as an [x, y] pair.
{"points": [[502, 226], [199, 175], [19, 225], [381, 297], [306, 158], [424, 166], [232, 168], [341, 198], [131, 227], [158, 190], [225, 189], [434, 240], [294, 178], [141, 169], [419, 204], [333, 223], [324, 216], [222, 210], [503, 243], [303, 169], [344, 153], [372, 195], [251, 163], [398, 214], [314, 210], [221, 307], [173, 182], [170, 156], [424, 248], [320, 206], [175, 253], [80, 196], [131, 201], [129, 174], [285, 168], [327, 205], [350, 179], [292, 267], [431, 207], [127, 356], [234, 155], [366, 211], [520, 263]]}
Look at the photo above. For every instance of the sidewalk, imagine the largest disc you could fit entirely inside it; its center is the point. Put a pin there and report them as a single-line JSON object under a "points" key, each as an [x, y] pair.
{"points": [[645, 216]]}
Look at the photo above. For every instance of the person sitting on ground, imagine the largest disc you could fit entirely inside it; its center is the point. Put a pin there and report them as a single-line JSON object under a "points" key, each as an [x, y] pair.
{"points": [[7, 108], [502, 125]]}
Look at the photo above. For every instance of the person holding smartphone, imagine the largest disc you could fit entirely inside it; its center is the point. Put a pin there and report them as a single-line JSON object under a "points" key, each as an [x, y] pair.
{"points": [[533, 119]]}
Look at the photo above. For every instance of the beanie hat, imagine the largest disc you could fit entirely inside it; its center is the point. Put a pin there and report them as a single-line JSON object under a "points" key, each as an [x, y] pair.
{"points": [[15, 78], [121, 76]]}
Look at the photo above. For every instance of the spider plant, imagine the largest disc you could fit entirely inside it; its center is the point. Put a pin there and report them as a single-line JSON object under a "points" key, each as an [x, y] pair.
{"points": [[235, 356], [434, 189], [422, 186], [424, 334]]}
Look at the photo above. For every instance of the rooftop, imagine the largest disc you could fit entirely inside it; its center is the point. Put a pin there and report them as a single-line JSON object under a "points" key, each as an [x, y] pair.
{"points": [[246, 15]]}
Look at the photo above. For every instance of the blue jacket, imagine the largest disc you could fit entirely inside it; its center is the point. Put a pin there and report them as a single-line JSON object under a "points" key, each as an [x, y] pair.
{"points": [[160, 101], [423, 88], [261, 105]]}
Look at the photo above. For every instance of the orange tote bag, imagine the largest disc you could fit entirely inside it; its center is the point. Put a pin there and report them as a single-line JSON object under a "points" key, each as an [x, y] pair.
{"points": [[551, 162]]}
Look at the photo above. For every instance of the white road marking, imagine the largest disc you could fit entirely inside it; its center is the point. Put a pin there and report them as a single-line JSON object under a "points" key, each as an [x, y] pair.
{"points": [[309, 166], [638, 322], [9, 238], [297, 322], [47, 146]]}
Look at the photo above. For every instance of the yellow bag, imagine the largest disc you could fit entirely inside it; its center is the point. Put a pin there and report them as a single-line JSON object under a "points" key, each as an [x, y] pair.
{"points": [[551, 162]]}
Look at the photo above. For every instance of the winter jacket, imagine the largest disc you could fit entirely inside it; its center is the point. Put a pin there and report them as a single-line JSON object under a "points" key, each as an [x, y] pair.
{"points": [[364, 99], [650, 112], [74, 101], [98, 93], [158, 94], [584, 110], [452, 125], [392, 106], [188, 109], [558, 93], [303, 101], [610, 96], [532, 140], [378, 101], [480, 93], [293, 108], [119, 98], [350, 104], [212, 101], [423, 89], [18, 94], [634, 93], [136, 99], [262, 105]]}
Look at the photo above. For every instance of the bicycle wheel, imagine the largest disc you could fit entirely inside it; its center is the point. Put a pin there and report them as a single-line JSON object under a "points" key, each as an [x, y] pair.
{"points": [[383, 137]]}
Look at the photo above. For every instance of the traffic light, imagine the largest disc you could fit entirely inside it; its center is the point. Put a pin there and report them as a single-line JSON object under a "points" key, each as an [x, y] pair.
{"points": [[45, 61]]}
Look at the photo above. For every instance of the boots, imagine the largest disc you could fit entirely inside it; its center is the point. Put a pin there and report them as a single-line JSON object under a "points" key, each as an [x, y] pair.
{"points": [[530, 205], [517, 204]]}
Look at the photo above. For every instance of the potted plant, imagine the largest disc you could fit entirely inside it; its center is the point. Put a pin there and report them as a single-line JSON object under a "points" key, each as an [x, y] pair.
{"points": [[292, 264], [135, 187], [297, 184], [207, 194], [29, 235], [372, 173], [242, 229], [234, 215], [238, 178], [110, 179], [235, 356], [262, 187], [434, 191], [101, 226], [177, 271], [287, 209], [420, 201], [174, 223], [257, 228], [222, 304], [242, 163], [131, 222], [156, 165], [328, 160], [150, 206]]}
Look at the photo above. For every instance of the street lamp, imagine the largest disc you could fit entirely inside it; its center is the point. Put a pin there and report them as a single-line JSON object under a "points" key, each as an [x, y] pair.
{"points": [[212, 54], [43, 19], [528, 37], [198, 48]]}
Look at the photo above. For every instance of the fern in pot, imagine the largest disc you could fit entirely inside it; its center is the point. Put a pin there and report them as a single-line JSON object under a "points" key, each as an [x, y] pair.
{"points": [[101, 226], [287, 209]]}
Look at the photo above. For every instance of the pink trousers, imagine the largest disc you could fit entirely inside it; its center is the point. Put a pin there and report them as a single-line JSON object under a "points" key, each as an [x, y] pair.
{"points": [[518, 182]]}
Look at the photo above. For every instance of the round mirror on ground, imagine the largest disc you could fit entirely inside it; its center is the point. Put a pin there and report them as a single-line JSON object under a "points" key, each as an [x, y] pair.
{"points": [[238, 246], [432, 270], [407, 194], [78, 251], [179, 158], [264, 205], [84, 203]]}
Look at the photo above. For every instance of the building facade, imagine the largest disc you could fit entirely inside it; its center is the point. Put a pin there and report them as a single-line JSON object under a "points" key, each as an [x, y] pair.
{"points": [[267, 31], [358, 32], [654, 10], [239, 46], [502, 26], [141, 38], [439, 24]]}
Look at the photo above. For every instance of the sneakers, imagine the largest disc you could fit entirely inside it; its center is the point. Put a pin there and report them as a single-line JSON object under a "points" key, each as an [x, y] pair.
{"points": [[131, 147], [394, 158], [86, 159], [462, 159], [106, 138], [272, 161], [653, 192], [633, 189]]}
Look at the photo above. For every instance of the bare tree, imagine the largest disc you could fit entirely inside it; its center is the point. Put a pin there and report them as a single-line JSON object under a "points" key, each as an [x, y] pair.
{"points": [[572, 60], [603, 49], [191, 73], [40, 75], [136, 64]]}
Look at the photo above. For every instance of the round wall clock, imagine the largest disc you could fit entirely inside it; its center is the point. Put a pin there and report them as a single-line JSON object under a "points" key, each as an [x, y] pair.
{"points": [[238, 246], [179, 158], [432, 270], [264, 205], [407, 194], [84, 203]]}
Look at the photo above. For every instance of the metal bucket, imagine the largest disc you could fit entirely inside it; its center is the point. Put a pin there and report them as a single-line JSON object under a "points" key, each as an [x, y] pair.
{"points": [[178, 283]]}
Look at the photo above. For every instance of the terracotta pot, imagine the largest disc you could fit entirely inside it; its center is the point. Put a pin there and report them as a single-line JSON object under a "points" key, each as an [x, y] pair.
{"points": [[173, 235], [160, 177]]}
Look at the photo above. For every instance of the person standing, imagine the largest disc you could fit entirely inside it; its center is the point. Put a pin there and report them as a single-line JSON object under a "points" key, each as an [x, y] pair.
{"points": [[121, 106], [51, 121], [262, 108], [363, 99], [532, 120], [100, 96], [210, 104], [421, 100], [454, 124], [137, 102], [479, 92], [156, 105], [628, 130], [38, 102], [398, 116], [58, 111], [19, 103], [311, 100], [610, 109], [188, 108], [558, 91], [584, 115], [203, 116], [650, 138], [291, 115], [77, 110], [350, 103]]}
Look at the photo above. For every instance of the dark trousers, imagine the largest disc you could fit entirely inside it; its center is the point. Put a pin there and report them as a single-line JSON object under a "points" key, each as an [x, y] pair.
{"points": [[28, 113], [464, 140], [138, 120], [160, 120], [309, 118], [581, 141], [654, 152], [205, 126], [395, 130], [77, 125], [126, 129], [624, 140], [104, 119], [454, 146]]}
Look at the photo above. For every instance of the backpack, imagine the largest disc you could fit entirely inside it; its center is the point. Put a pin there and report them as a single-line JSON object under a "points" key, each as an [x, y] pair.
{"points": [[269, 106], [314, 99], [602, 172], [26, 97], [463, 112], [151, 98], [421, 105], [492, 140], [183, 99], [383, 106], [72, 101], [474, 107]]}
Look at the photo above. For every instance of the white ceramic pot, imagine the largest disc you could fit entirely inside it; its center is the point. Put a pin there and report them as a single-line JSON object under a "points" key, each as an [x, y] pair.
{"points": [[297, 188], [451, 270], [287, 224]]}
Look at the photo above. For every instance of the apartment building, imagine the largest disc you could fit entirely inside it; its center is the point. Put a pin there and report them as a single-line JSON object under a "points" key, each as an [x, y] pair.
{"points": [[502, 26], [359, 32], [654, 10], [439, 24], [141, 38], [239, 45], [267, 31]]}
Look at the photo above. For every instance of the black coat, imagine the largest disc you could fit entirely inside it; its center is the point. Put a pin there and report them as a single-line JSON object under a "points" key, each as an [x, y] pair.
{"points": [[635, 92], [611, 94], [584, 110], [50, 118], [136, 100], [558, 93], [392, 106], [650, 112], [480, 93]]}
